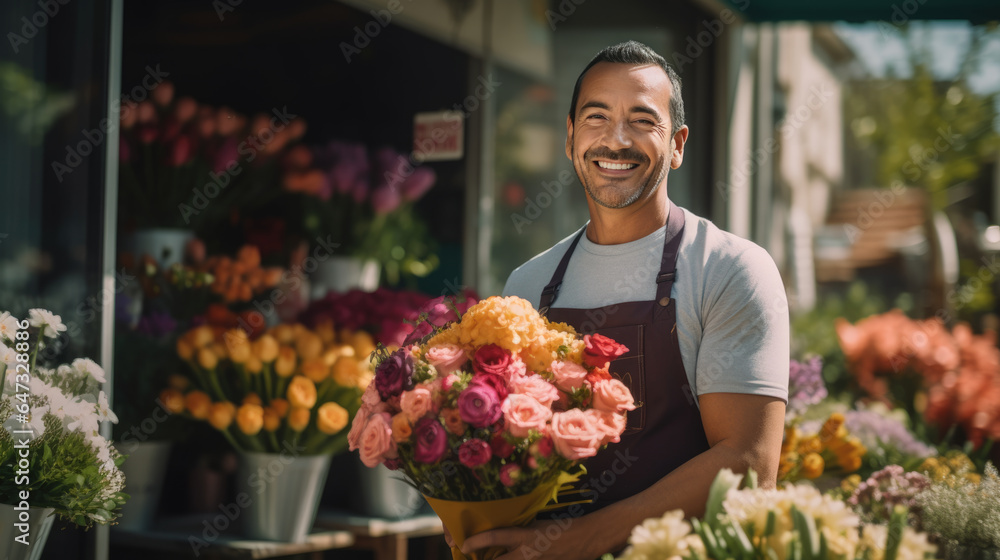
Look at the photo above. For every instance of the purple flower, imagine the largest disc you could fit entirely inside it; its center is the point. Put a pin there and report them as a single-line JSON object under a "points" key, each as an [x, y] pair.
{"points": [[876, 497], [479, 405], [431, 441], [875, 430], [156, 324], [394, 375], [805, 385]]}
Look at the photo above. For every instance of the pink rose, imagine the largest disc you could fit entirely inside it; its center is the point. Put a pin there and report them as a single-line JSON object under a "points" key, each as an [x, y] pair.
{"points": [[449, 380], [416, 402], [536, 387], [357, 427], [371, 396], [523, 414], [509, 474], [574, 434], [613, 396], [568, 375], [516, 368], [479, 405], [376, 443], [446, 358], [474, 453], [611, 424]]}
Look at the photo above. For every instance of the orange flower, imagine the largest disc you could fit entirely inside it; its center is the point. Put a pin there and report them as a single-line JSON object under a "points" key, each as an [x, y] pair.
{"points": [[791, 439], [401, 429], [207, 358], [184, 348], [849, 463], [254, 365], [285, 364], [812, 465], [178, 382], [202, 336], [249, 255], [250, 418], [347, 371], [309, 345], [280, 407], [198, 404], [326, 333], [832, 427], [298, 418], [453, 421], [301, 392], [331, 418], [810, 444], [283, 333], [316, 370], [237, 345], [271, 420], [252, 398], [266, 348], [221, 414], [172, 400], [363, 343]]}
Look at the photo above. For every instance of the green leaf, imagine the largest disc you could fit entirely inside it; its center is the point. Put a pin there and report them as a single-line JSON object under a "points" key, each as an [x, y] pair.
{"points": [[806, 527]]}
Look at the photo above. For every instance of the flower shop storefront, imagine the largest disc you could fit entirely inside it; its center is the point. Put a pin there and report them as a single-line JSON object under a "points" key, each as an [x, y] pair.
{"points": [[222, 219]]}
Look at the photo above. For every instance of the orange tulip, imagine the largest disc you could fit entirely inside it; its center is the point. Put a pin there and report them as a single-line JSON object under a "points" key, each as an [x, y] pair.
{"points": [[316, 370], [202, 336], [283, 333], [347, 371], [285, 364], [249, 255], [271, 420], [250, 419], [280, 407], [309, 345], [207, 359], [254, 365], [301, 392], [221, 415], [251, 398], [266, 348], [237, 345], [198, 404], [172, 400], [178, 382], [298, 418], [331, 418], [184, 349]]}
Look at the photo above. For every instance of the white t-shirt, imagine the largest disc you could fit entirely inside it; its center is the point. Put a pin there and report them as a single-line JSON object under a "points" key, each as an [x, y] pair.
{"points": [[732, 313]]}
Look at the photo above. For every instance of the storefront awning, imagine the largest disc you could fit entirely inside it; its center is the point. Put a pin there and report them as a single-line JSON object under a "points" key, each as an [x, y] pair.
{"points": [[890, 11]]}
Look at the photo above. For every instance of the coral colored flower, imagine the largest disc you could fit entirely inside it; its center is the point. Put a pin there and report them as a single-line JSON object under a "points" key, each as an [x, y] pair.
{"points": [[431, 441], [536, 387], [416, 403], [479, 405], [613, 396], [474, 453], [491, 359], [446, 358], [376, 442], [611, 424], [523, 414], [568, 375], [453, 421], [401, 428], [599, 350], [575, 435]]}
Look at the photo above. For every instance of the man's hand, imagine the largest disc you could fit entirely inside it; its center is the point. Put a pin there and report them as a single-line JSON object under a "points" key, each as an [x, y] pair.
{"points": [[541, 539]]}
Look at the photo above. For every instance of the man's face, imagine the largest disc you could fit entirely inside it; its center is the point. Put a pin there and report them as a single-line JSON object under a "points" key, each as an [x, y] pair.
{"points": [[620, 142]]}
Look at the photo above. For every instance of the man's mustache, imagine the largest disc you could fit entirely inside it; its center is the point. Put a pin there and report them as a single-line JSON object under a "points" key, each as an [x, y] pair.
{"points": [[628, 154]]}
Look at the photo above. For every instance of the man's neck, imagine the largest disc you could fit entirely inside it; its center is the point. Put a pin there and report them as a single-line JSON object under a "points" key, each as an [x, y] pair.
{"points": [[613, 226]]}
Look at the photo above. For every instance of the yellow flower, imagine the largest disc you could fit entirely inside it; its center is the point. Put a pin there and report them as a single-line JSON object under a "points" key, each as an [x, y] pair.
{"points": [[309, 345], [832, 427], [325, 332], [198, 404], [252, 398], [265, 348], [849, 463], [201, 336], [280, 407], [184, 349], [172, 400], [221, 414], [331, 418], [254, 365], [301, 392], [812, 465], [285, 365], [850, 484], [298, 418], [347, 371], [250, 418], [283, 333], [207, 359], [271, 419], [316, 370], [791, 439], [810, 444], [237, 345], [362, 343], [401, 429]]}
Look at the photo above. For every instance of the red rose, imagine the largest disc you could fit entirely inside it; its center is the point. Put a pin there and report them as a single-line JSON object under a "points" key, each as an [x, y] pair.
{"points": [[600, 350], [498, 383], [491, 359]]}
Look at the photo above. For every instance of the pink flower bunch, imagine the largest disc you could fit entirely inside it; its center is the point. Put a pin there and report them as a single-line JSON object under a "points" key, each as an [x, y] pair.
{"points": [[389, 315], [474, 411]]}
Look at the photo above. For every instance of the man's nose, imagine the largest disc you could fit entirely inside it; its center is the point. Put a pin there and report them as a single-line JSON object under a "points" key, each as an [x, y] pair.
{"points": [[616, 136]]}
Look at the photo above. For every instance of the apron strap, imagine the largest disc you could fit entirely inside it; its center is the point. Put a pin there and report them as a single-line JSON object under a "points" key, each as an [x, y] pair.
{"points": [[664, 280]]}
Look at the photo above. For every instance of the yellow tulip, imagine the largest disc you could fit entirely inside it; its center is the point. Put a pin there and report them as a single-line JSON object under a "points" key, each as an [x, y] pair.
{"points": [[331, 418], [250, 418], [198, 404], [280, 407], [284, 334], [202, 336], [221, 414], [301, 392], [316, 370], [298, 418], [346, 371], [237, 345], [172, 400], [207, 359], [308, 345], [266, 348], [285, 365], [254, 365], [326, 333], [812, 465], [363, 343]]}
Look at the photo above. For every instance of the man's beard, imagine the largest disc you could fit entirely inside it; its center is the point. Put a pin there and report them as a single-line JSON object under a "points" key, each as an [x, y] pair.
{"points": [[620, 197]]}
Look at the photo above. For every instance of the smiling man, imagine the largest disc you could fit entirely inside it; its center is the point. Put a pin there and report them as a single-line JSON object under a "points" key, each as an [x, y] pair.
{"points": [[703, 313]]}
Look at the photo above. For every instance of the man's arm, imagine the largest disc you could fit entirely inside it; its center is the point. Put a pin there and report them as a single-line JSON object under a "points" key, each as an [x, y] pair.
{"points": [[744, 431]]}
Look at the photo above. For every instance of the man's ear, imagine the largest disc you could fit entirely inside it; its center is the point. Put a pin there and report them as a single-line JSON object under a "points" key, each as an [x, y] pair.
{"points": [[569, 137], [677, 147]]}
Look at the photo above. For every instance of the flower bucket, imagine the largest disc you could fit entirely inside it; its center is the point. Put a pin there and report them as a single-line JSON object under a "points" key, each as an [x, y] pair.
{"points": [[38, 526], [381, 493], [283, 492], [166, 245], [144, 471], [342, 274]]}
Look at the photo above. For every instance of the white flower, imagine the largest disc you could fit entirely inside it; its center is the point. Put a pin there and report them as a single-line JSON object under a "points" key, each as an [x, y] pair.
{"points": [[660, 538], [103, 410], [8, 326], [9, 357], [51, 323], [88, 367], [913, 546]]}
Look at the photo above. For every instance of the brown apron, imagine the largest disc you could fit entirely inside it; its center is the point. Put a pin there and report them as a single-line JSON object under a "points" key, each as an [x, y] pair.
{"points": [[665, 429]]}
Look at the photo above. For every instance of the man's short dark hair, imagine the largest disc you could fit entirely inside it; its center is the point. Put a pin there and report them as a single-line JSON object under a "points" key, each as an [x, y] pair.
{"points": [[634, 52]]}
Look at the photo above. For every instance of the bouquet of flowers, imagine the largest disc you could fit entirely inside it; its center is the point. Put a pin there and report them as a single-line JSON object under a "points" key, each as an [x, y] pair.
{"points": [[791, 523], [290, 385], [57, 411], [489, 415]]}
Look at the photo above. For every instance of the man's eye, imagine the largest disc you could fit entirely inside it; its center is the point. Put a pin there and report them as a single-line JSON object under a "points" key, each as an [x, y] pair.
{"points": [[595, 116], [645, 121]]}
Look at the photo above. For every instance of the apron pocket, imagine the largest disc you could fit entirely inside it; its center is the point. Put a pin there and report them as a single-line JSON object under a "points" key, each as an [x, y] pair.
{"points": [[630, 370]]}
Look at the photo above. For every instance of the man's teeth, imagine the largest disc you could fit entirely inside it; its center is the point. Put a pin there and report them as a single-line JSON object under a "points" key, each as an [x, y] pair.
{"points": [[609, 165]]}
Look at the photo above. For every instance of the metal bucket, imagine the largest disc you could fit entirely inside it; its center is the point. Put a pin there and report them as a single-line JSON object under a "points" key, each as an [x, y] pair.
{"points": [[283, 492]]}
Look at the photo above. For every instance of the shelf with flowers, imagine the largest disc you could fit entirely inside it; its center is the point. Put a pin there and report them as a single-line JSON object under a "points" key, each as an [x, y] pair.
{"points": [[51, 415], [282, 399], [365, 201]]}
